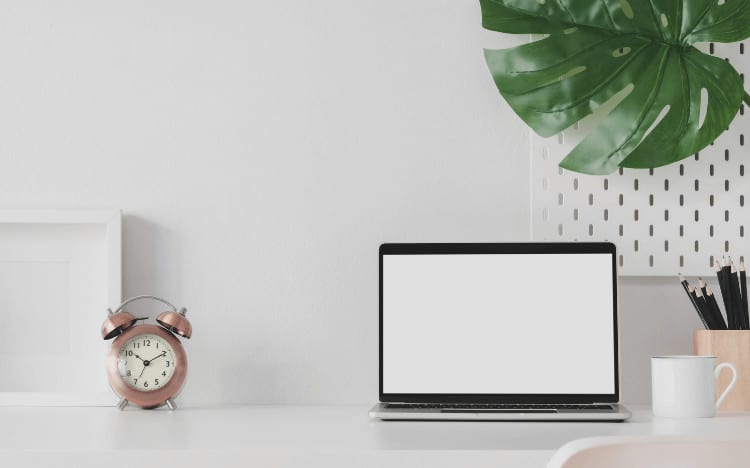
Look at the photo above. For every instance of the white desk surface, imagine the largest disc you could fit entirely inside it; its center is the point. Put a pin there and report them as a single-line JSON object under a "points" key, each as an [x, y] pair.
{"points": [[303, 436]]}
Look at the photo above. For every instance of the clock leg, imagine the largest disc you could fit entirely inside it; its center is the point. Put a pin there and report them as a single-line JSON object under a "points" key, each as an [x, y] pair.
{"points": [[122, 404], [171, 404]]}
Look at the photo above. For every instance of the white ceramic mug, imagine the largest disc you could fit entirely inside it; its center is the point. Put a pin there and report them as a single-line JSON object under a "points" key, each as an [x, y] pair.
{"points": [[684, 386]]}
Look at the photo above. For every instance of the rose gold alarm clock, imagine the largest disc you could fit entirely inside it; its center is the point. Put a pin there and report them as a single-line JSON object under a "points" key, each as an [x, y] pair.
{"points": [[146, 364]]}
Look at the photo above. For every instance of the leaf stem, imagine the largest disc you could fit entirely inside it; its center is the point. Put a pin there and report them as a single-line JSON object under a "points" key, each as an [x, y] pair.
{"points": [[746, 98]]}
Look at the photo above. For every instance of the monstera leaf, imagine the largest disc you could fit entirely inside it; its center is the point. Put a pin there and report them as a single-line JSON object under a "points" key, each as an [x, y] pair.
{"points": [[640, 49]]}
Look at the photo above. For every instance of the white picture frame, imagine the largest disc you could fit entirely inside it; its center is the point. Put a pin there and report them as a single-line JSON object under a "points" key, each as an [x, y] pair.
{"points": [[59, 272]]}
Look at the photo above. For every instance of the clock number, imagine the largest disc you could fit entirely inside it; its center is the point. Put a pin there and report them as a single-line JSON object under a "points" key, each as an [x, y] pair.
{"points": [[128, 353], [128, 374], [146, 342], [167, 363], [163, 353], [164, 373], [157, 345], [156, 381], [145, 384], [136, 345], [135, 381]]}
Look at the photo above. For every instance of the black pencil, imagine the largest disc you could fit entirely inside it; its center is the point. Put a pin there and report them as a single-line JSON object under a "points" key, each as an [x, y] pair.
{"points": [[714, 322], [725, 295], [743, 290], [734, 287], [702, 285], [706, 311], [711, 299], [687, 287]]}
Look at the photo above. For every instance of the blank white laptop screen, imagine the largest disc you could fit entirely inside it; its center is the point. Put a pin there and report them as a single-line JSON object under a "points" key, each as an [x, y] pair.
{"points": [[498, 323]]}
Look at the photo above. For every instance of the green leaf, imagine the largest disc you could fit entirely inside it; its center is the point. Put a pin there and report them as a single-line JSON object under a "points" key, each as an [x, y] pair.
{"points": [[640, 54]]}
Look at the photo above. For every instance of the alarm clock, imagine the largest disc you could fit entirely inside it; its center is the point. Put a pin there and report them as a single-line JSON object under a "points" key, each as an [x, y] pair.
{"points": [[146, 364]]}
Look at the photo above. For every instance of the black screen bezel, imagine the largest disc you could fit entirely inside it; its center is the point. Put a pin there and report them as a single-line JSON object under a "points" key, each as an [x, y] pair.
{"points": [[500, 248]]}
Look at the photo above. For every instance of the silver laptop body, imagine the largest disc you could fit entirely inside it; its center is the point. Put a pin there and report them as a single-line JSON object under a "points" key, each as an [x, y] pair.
{"points": [[501, 331]]}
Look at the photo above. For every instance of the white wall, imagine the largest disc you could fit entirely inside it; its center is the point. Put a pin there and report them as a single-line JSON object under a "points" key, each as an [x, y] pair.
{"points": [[260, 151]]}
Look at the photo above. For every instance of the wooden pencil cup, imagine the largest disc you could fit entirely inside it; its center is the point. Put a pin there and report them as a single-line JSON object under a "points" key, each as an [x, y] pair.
{"points": [[728, 346]]}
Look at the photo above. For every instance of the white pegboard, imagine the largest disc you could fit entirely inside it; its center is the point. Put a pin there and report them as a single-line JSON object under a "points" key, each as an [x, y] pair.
{"points": [[676, 218]]}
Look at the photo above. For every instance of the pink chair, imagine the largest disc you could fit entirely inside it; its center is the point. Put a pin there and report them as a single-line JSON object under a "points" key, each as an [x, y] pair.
{"points": [[647, 452]]}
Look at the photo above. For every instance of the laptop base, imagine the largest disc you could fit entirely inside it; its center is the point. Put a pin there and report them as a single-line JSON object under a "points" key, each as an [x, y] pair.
{"points": [[384, 412]]}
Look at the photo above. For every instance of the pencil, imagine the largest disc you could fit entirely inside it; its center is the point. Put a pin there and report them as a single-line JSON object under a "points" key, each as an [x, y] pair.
{"points": [[725, 295], [734, 287], [702, 302], [714, 320], [687, 287], [743, 290], [702, 285], [711, 299]]}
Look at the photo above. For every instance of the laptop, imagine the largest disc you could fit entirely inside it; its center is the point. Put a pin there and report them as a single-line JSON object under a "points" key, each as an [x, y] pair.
{"points": [[501, 331]]}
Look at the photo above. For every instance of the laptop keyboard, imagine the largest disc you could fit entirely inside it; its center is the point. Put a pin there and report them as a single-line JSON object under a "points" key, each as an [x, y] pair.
{"points": [[509, 407]]}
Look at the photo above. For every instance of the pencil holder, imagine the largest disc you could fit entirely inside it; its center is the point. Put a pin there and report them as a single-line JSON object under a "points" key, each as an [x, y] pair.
{"points": [[728, 346]]}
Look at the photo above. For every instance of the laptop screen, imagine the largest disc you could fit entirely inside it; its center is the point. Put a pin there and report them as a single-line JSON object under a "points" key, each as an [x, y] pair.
{"points": [[498, 319]]}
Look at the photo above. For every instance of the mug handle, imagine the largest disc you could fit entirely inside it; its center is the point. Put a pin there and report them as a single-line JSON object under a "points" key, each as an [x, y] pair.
{"points": [[717, 371]]}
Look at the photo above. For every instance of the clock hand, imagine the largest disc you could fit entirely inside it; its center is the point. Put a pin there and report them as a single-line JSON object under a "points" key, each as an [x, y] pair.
{"points": [[163, 353], [138, 357], [146, 362]]}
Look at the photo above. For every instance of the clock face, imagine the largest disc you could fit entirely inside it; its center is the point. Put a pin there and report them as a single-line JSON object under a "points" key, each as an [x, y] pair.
{"points": [[146, 362]]}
